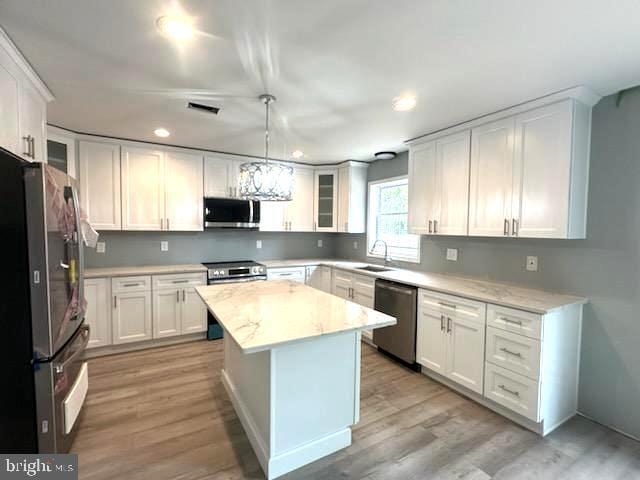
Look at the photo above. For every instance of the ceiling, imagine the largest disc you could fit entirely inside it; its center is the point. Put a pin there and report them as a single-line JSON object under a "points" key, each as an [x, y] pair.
{"points": [[334, 65]]}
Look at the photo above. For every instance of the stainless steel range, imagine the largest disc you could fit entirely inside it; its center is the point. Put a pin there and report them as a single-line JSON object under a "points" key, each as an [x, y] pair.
{"points": [[230, 272]]}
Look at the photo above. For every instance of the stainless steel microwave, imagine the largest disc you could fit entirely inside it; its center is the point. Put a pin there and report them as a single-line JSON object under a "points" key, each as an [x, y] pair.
{"points": [[231, 213]]}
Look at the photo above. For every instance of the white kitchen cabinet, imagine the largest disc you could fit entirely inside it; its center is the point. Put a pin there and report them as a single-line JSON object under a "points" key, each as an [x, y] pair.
{"points": [[9, 105], [132, 310], [61, 150], [451, 338], [183, 173], [177, 308], [295, 215], [98, 313], [294, 274], [273, 216], [341, 283], [143, 189], [100, 184], [359, 289], [220, 176], [166, 312], [33, 119], [319, 276], [422, 188], [194, 312], [325, 202], [352, 197]]}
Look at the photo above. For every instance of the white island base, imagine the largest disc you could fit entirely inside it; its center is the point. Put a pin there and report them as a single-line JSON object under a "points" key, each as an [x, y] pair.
{"points": [[297, 402]]}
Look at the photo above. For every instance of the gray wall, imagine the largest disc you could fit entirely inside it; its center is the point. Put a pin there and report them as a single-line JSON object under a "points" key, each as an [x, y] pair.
{"points": [[605, 267], [143, 248]]}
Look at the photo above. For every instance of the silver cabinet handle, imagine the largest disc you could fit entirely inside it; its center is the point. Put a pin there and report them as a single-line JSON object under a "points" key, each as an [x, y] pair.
{"points": [[442, 323], [162, 224], [180, 281], [33, 147], [314, 226], [506, 226], [230, 191], [448, 305], [515, 354], [508, 320], [177, 296], [184, 296], [115, 301], [136, 284], [512, 392], [430, 223], [346, 226], [168, 227], [448, 324], [514, 227], [435, 226], [28, 152]]}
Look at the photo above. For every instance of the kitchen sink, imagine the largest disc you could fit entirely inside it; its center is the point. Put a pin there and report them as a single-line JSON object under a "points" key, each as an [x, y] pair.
{"points": [[373, 268]]}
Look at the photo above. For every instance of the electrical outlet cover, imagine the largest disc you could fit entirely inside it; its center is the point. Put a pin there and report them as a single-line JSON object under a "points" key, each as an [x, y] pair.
{"points": [[320, 243], [164, 246], [452, 254], [258, 243], [101, 247], [355, 245], [532, 263]]}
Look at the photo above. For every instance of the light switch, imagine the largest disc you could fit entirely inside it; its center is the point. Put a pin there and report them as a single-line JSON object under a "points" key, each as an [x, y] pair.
{"points": [[532, 263], [452, 254], [320, 243], [101, 247], [355, 245], [258, 243], [164, 246]]}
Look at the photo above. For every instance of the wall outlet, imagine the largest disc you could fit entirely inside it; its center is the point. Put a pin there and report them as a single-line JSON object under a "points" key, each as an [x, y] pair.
{"points": [[258, 243], [452, 254], [532, 263], [355, 245], [164, 246], [320, 243], [101, 247]]}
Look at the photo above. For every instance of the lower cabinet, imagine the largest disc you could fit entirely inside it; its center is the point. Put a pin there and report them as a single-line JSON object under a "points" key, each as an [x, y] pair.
{"points": [[295, 274], [178, 310], [359, 289], [97, 292], [319, 277], [451, 338], [131, 317]]}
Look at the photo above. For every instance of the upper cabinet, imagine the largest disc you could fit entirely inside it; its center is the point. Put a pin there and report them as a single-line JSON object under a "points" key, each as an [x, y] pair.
{"points": [[183, 191], [221, 175], [61, 150], [439, 186], [295, 215], [325, 200], [517, 173], [23, 105], [143, 189], [352, 197]]}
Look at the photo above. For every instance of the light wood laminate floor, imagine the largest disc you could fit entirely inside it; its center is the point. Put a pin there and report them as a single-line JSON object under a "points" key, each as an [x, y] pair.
{"points": [[164, 414]]}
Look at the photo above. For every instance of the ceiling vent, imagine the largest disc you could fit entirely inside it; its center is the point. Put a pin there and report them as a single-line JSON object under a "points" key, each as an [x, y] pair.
{"points": [[203, 108]]}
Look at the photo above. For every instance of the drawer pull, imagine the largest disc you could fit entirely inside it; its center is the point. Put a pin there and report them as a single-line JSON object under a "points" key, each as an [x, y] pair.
{"points": [[515, 354], [448, 325], [442, 323], [131, 284], [512, 392], [180, 281], [508, 320], [448, 305]]}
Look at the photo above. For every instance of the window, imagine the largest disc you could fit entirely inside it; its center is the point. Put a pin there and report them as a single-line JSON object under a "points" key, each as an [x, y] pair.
{"points": [[388, 220]]}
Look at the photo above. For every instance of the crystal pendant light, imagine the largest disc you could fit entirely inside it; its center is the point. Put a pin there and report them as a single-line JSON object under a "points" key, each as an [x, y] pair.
{"points": [[265, 180]]}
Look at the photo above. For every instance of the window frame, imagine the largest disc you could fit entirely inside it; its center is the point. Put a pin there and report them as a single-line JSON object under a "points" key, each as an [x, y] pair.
{"points": [[371, 224]]}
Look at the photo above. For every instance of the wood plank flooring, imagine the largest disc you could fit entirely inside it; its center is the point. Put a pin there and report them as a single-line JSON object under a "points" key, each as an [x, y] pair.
{"points": [[164, 414]]}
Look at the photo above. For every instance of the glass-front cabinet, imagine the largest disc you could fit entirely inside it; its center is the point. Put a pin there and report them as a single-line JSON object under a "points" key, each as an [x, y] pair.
{"points": [[326, 200], [61, 151]]}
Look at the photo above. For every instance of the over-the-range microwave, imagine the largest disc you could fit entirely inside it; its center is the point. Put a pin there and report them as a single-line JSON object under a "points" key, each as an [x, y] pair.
{"points": [[231, 213]]}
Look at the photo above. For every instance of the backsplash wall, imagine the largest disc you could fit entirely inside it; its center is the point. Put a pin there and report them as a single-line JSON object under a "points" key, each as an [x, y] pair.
{"points": [[143, 248], [605, 267]]}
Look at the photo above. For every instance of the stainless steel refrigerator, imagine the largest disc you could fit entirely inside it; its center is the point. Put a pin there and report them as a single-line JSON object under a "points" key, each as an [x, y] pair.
{"points": [[43, 335]]}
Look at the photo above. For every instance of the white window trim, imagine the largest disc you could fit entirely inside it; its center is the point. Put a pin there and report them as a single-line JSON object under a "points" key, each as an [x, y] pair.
{"points": [[369, 229]]}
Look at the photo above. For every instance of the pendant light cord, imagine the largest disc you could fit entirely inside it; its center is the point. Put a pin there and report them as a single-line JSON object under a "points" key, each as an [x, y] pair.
{"points": [[266, 132]]}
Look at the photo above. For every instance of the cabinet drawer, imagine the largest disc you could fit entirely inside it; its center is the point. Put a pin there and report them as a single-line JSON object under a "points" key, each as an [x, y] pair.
{"points": [[448, 304], [517, 321], [130, 284], [179, 280], [297, 274], [512, 390], [364, 285], [514, 352]]}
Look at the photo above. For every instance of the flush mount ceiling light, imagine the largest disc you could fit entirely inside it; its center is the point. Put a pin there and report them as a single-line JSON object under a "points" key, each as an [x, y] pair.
{"points": [[404, 103], [161, 132], [297, 154], [384, 155], [265, 180], [176, 27]]}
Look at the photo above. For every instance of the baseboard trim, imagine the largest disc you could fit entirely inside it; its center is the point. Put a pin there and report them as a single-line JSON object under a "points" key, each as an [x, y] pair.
{"points": [[617, 430], [133, 347]]}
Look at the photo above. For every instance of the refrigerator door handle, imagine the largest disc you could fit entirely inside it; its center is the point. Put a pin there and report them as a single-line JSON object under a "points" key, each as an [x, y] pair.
{"points": [[84, 331], [76, 210]]}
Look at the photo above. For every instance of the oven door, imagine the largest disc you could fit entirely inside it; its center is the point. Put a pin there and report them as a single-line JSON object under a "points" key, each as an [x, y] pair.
{"points": [[231, 213], [61, 388]]}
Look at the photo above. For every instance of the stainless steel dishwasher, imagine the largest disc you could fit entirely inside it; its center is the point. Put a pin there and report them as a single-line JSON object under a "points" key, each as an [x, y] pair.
{"points": [[400, 301]]}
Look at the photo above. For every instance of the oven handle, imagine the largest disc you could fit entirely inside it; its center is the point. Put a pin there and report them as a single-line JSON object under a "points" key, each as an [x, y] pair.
{"points": [[236, 280], [84, 332]]}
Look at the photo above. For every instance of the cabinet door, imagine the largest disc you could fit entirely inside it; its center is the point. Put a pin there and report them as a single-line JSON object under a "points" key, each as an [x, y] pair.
{"points": [[452, 187], [194, 312], [431, 341], [9, 106], [33, 112], [142, 189], [98, 314], [218, 173], [325, 200], [61, 152], [300, 209], [343, 199], [183, 189], [465, 352], [542, 171], [294, 274], [422, 188], [100, 184], [166, 312], [363, 290], [272, 216], [131, 316], [491, 179], [341, 284]]}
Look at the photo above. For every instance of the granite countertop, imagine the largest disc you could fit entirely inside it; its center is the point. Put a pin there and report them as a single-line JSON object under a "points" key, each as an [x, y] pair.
{"points": [[263, 315], [143, 270], [503, 294]]}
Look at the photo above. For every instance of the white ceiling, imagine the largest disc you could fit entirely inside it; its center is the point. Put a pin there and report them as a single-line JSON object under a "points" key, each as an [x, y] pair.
{"points": [[335, 65]]}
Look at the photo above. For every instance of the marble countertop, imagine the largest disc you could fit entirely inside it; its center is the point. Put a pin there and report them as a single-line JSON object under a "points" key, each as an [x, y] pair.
{"points": [[143, 270], [263, 315], [497, 293]]}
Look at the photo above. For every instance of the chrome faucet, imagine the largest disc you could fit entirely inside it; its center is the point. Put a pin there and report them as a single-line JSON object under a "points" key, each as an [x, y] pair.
{"points": [[387, 258]]}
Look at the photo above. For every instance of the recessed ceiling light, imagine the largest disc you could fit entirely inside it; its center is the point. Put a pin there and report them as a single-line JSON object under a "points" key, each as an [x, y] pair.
{"points": [[297, 154], [177, 27], [161, 132], [404, 103]]}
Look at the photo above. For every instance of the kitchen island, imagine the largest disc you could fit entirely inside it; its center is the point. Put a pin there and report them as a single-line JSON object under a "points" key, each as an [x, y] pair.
{"points": [[291, 367]]}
